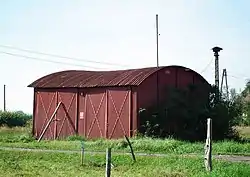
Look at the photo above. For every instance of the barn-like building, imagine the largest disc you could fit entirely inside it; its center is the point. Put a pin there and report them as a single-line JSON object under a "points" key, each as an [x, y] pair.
{"points": [[101, 103]]}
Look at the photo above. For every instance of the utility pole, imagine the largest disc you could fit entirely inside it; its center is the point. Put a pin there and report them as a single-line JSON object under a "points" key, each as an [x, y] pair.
{"points": [[216, 51], [4, 98]]}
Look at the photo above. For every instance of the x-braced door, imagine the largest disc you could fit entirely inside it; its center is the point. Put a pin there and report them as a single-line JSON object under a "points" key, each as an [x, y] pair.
{"points": [[95, 113], [66, 115], [45, 106], [119, 112]]}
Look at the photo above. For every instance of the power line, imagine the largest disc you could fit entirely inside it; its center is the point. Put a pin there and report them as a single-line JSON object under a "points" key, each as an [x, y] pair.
{"points": [[236, 77], [45, 60], [239, 78], [59, 56], [207, 66], [242, 75]]}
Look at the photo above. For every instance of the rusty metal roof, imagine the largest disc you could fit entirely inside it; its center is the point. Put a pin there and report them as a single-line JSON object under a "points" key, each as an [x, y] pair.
{"points": [[85, 79]]}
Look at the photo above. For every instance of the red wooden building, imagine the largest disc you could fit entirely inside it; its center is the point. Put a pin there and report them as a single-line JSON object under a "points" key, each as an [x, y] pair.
{"points": [[101, 103]]}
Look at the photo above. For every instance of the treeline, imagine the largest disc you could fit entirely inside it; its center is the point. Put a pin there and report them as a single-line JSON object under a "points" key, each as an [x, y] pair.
{"points": [[13, 119]]}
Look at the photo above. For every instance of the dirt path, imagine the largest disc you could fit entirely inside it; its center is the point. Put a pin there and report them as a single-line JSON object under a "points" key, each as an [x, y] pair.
{"points": [[231, 158]]}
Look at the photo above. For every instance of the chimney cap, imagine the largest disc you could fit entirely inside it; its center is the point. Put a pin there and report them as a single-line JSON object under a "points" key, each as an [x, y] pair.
{"points": [[217, 49]]}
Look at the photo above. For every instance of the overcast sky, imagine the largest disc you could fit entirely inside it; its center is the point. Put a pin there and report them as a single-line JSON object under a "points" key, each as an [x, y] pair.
{"points": [[121, 33]]}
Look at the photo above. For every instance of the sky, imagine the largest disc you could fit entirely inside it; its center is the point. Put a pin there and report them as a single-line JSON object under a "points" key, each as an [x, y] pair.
{"points": [[121, 33]]}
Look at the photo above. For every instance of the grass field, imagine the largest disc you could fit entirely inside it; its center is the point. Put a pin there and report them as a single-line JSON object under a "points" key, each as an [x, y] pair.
{"points": [[26, 163], [15, 163], [20, 137]]}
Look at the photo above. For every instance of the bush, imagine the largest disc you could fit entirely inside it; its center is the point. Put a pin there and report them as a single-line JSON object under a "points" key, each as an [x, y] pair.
{"points": [[13, 119]]}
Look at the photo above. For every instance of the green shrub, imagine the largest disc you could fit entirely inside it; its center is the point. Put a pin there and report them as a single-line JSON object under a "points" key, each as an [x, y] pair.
{"points": [[13, 119]]}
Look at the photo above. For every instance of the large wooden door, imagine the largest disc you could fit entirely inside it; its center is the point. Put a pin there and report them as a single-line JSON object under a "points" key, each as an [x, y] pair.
{"points": [[119, 112], [45, 106], [92, 113], [66, 116]]}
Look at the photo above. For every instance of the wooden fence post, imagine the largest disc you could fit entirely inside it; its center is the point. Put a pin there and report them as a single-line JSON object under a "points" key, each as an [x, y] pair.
{"points": [[108, 162], [208, 146], [82, 152], [131, 149]]}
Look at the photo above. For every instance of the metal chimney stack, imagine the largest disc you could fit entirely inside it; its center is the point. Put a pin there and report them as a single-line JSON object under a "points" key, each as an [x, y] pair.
{"points": [[216, 51]]}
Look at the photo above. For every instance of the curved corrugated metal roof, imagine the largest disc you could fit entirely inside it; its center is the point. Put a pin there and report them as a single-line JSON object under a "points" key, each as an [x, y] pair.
{"points": [[85, 79]]}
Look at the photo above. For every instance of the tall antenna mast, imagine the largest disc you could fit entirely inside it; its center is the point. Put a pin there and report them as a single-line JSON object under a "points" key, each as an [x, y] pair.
{"points": [[157, 34]]}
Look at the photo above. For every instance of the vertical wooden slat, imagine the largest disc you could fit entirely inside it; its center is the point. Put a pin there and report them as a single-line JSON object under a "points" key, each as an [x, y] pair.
{"points": [[85, 116], [55, 122], [77, 112], [129, 112], [135, 110], [106, 115], [34, 111]]}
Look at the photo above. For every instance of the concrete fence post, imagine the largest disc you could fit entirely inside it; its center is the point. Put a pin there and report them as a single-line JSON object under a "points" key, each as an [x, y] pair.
{"points": [[108, 162], [208, 146]]}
